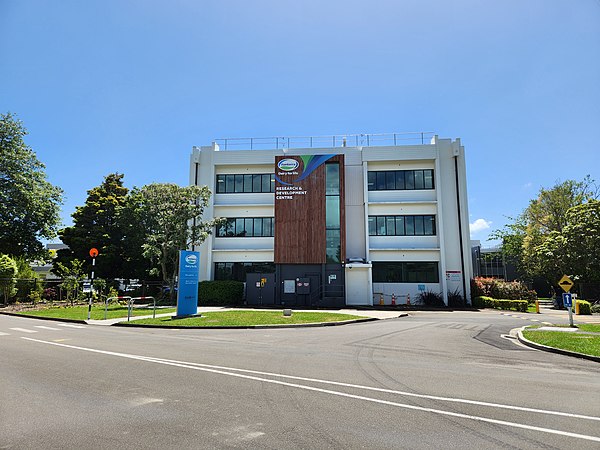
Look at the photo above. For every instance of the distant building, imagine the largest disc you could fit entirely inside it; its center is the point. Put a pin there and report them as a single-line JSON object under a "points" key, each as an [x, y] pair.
{"points": [[43, 268], [342, 220]]}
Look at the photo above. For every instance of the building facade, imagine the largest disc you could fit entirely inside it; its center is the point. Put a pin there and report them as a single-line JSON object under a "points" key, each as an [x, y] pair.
{"points": [[354, 220]]}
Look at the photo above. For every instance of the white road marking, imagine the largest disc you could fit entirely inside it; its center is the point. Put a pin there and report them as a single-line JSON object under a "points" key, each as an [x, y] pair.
{"points": [[46, 328], [70, 325], [206, 368], [23, 330], [4, 334]]}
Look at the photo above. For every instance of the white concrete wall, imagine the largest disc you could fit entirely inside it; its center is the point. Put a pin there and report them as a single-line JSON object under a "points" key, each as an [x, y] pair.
{"points": [[444, 248]]}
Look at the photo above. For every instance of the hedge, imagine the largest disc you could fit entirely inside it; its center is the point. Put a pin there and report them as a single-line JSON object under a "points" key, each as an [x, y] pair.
{"points": [[489, 302], [220, 293], [585, 308]]}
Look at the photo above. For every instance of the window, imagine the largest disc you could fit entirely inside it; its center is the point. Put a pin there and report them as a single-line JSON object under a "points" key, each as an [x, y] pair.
{"points": [[332, 213], [245, 183], [405, 272], [246, 227], [402, 225], [237, 270], [389, 180]]}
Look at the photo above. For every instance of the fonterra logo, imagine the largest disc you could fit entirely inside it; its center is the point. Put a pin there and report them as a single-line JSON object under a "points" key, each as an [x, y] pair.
{"points": [[287, 165], [191, 259]]}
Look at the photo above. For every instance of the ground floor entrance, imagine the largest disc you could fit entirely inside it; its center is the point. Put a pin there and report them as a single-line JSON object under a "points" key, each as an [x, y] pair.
{"points": [[299, 285]]}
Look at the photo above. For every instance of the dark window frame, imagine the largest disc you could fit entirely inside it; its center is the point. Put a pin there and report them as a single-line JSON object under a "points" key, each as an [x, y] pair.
{"points": [[231, 229], [401, 180], [411, 222], [240, 183]]}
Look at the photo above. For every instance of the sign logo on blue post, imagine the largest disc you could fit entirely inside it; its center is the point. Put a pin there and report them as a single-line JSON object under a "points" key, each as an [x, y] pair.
{"points": [[187, 294], [567, 299]]}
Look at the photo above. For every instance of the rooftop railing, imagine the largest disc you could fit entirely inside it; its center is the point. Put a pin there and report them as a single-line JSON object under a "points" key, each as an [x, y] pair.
{"points": [[344, 140]]}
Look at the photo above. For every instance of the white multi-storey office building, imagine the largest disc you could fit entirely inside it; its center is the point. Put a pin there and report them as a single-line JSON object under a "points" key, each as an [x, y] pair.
{"points": [[340, 220]]}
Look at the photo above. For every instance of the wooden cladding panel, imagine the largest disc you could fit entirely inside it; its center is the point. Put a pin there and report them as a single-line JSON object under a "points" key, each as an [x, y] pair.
{"points": [[300, 222], [300, 236]]}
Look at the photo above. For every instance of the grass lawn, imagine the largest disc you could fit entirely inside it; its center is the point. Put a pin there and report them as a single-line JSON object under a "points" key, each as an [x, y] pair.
{"points": [[594, 327], [80, 312], [582, 343], [248, 318]]}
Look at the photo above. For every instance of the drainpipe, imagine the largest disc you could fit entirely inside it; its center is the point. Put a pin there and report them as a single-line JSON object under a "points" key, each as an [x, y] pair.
{"points": [[460, 233]]}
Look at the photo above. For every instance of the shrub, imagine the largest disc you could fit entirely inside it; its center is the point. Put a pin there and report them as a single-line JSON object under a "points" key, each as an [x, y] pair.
{"points": [[488, 302], [220, 293], [500, 289], [585, 308], [429, 298], [455, 299], [595, 309], [49, 294]]}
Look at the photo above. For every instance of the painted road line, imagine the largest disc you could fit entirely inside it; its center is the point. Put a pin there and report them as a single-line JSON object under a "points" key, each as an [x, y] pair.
{"points": [[337, 393], [23, 330], [4, 334], [46, 328], [70, 325]]}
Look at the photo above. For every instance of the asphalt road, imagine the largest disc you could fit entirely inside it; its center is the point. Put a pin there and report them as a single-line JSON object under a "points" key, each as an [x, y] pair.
{"points": [[430, 380]]}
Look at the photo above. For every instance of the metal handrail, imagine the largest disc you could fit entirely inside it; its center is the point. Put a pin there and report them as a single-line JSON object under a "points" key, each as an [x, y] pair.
{"points": [[342, 140]]}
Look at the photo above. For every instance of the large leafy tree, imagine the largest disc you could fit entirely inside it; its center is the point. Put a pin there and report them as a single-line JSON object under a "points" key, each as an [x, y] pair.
{"points": [[96, 225], [29, 204], [541, 239], [172, 219], [581, 235]]}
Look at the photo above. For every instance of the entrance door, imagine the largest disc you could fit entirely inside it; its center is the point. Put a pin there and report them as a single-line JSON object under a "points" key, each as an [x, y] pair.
{"points": [[260, 289]]}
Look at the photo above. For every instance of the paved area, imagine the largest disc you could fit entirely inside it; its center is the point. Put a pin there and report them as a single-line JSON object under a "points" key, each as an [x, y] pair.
{"points": [[429, 380]]}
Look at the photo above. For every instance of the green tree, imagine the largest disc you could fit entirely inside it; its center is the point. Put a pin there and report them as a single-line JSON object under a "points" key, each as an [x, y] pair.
{"points": [[29, 204], [72, 274], [172, 218], [581, 236], [27, 280], [8, 272], [96, 225], [535, 239]]}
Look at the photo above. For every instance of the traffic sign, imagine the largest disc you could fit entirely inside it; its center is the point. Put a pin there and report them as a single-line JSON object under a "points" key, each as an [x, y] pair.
{"points": [[565, 283], [567, 300], [93, 252]]}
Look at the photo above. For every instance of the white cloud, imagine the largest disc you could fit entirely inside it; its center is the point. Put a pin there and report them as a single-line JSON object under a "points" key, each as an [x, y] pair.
{"points": [[528, 185], [479, 225]]}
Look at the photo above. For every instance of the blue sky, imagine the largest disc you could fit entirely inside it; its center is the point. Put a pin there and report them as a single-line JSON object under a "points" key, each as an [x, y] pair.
{"points": [[132, 85]]}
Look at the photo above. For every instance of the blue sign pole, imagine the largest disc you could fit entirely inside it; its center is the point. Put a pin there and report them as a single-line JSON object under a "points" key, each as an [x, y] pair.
{"points": [[187, 294], [568, 303]]}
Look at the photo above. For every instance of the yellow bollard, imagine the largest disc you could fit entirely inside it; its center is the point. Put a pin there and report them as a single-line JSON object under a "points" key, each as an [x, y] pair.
{"points": [[576, 307], [537, 306], [381, 303]]}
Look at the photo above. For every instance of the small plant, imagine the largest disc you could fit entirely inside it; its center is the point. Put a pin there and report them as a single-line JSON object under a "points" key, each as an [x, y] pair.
{"points": [[456, 299], [429, 298], [49, 294]]}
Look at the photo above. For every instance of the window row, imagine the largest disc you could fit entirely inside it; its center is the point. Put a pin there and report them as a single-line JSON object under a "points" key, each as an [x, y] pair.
{"points": [[245, 183], [237, 270], [406, 272], [389, 180], [247, 227], [402, 225]]}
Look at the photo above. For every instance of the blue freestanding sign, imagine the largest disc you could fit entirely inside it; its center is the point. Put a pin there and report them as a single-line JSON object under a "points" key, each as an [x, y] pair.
{"points": [[567, 300], [187, 294]]}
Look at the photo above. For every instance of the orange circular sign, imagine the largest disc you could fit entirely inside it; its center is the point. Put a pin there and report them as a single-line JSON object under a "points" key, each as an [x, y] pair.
{"points": [[93, 252]]}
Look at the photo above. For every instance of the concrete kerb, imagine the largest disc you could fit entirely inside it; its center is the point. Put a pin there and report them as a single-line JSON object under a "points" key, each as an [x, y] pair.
{"points": [[55, 319], [546, 348], [123, 322]]}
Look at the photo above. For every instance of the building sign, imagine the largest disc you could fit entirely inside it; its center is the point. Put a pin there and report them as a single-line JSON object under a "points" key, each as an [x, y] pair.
{"points": [[187, 294], [291, 172], [454, 275]]}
